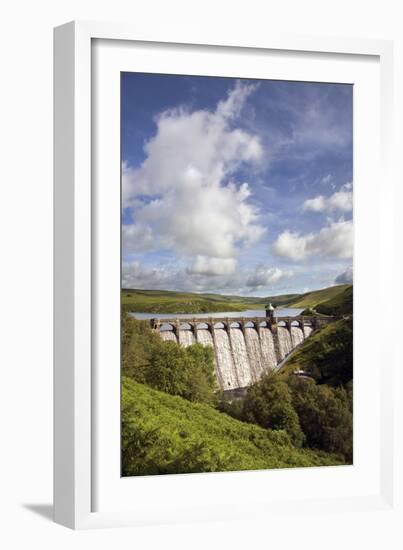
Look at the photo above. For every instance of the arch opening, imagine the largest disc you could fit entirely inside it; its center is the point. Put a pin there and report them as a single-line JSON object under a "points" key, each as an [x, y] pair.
{"points": [[164, 327]]}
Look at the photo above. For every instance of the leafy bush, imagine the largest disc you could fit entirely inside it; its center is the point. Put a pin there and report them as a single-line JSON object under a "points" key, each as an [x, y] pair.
{"points": [[269, 404], [318, 416], [188, 372], [325, 415], [231, 406]]}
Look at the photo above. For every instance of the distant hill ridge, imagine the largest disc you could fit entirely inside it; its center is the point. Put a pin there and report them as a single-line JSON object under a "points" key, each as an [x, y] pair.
{"points": [[168, 301]]}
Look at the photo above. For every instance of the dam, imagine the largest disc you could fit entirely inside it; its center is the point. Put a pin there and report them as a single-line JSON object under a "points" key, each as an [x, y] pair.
{"points": [[244, 348]]}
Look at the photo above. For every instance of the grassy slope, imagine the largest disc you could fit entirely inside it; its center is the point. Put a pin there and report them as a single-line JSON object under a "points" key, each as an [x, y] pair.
{"points": [[165, 301], [341, 304], [326, 355], [312, 299], [167, 434]]}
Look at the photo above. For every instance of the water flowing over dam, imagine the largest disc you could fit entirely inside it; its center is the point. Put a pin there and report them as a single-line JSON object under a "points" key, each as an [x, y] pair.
{"points": [[244, 348]]}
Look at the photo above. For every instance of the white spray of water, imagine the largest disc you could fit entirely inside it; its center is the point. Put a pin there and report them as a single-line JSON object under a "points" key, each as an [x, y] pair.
{"points": [[225, 363], [168, 336], [284, 341], [297, 336], [268, 349], [186, 338], [240, 356]]}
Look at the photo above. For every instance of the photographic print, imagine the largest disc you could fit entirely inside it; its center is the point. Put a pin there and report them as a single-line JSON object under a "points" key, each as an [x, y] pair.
{"points": [[236, 274]]}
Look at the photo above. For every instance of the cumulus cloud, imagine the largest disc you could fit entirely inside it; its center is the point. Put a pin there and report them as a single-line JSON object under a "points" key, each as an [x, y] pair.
{"points": [[198, 278], [204, 265], [137, 275], [341, 200], [183, 195], [265, 277], [203, 276], [332, 241], [345, 278]]}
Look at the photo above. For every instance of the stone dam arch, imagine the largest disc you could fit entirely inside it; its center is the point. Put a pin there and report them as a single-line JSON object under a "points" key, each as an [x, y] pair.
{"points": [[244, 348]]}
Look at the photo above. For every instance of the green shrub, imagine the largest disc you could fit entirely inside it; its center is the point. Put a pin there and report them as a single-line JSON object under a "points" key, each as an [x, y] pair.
{"points": [[188, 372], [268, 403], [325, 415]]}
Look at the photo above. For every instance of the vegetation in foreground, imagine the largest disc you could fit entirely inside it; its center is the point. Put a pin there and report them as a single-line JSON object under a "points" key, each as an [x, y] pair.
{"points": [[164, 301], [175, 421], [313, 415]]}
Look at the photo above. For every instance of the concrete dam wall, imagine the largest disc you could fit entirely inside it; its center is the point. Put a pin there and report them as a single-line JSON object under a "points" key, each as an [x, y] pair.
{"points": [[244, 349]]}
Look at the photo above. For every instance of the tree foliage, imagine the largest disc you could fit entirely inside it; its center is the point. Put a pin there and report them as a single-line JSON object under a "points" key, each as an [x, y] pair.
{"points": [[188, 372], [325, 415], [269, 404], [317, 416]]}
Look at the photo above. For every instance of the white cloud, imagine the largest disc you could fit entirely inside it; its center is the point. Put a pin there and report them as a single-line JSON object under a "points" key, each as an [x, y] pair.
{"points": [[182, 195], [204, 265], [341, 200], [345, 278], [290, 245], [332, 241], [205, 275], [231, 107], [318, 204], [265, 277], [137, 275]]}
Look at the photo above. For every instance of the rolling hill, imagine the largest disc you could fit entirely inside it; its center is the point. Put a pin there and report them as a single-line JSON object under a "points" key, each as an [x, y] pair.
{"points": [[166, 301], [160, 301], [327, 355], [315, 297], [341, 304]]}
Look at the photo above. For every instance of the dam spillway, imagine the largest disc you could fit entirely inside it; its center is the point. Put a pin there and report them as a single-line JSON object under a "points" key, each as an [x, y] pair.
{"points": [[244, 348]]}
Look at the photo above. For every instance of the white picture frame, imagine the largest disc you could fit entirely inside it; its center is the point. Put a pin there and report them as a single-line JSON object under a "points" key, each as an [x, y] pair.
{"points": [[79, 311]]}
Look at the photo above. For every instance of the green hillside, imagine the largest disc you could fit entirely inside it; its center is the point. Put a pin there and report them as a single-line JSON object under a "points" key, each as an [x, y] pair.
{"points": [[315, 297], [167, 301], [165, 434], [156, 301], [341, 304], [327, 355]]}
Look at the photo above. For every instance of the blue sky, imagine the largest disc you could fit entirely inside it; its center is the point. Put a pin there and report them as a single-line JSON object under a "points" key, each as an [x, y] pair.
{"points": [[235, 186]]}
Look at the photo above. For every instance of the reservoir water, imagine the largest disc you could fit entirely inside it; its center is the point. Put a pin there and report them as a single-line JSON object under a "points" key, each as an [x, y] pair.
{"points": [[279, 312]]}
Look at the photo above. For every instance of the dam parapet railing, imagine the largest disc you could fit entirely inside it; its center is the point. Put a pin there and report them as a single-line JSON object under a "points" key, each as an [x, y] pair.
{"points": [[314, 321]]}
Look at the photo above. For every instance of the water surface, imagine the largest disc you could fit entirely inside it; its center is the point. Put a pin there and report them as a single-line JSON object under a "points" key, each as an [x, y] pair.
{"points": [[279, 312]]}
